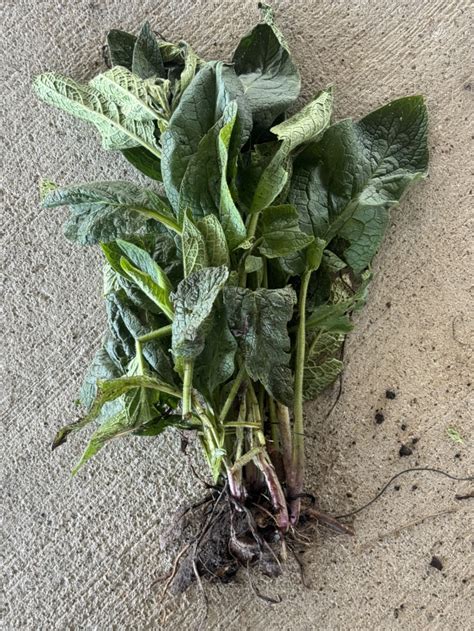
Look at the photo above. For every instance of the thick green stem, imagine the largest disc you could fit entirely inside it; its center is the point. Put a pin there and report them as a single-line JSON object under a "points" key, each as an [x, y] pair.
{"points": [[295, 484], [141, 359], [187, 386], [157, 216], [283, 415], [154, 335], [232, 394]]}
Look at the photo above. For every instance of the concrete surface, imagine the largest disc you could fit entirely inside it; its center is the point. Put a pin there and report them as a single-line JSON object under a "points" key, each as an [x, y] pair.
{"points": [[84, 553]]}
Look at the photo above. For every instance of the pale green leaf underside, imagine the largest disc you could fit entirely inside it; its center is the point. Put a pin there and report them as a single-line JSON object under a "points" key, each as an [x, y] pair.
{"points": [[117, 130], [128, 91]]}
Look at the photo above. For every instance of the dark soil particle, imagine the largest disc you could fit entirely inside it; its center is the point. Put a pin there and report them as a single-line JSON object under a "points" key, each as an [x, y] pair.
{"points": [[405, 451], [414, 487], [403, 427], [397, 487], [436, 563], [390, 394], [414, 441], [379, 418]]}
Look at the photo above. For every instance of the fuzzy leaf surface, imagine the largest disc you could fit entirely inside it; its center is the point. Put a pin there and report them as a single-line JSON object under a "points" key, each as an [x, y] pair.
{"points": [[258, 320], [344, 184], [117, 130], [193, 302]]}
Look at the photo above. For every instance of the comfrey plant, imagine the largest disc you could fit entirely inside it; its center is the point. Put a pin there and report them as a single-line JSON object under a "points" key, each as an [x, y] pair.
{"points": [[230, 280]]}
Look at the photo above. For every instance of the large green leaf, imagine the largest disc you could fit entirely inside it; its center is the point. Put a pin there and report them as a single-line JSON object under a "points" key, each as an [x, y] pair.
{"points": [[204, 189], [258, 320], [307, 124], [145, 263], [280, 231], [146, 162], [344, 185], [108, 391], [194, 247], [200, 107], [121, 45], [147, 284], [128, 91], [303, 127], [215, 364], [270, 78], [118, 131], [147, 60], [104, 211], [193, 302], [215, 241]]}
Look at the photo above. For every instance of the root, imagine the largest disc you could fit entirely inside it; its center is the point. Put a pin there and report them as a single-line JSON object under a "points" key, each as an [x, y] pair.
{"points": [[223, 534]]}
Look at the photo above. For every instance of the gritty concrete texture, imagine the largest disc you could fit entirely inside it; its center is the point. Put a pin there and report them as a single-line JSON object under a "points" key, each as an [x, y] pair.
{"points": [[84, 553]]}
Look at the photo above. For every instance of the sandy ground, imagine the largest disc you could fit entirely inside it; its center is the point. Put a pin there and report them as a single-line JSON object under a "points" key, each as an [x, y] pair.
{"points": [[84, 553]]}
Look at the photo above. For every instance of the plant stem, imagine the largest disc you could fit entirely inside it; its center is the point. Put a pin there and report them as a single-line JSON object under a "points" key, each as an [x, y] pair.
{"points": [[252, 229], [283, 415], [232, 393], [157, 216], [276, 492], [274, 429], [295, 483], [154, 335], [187, 385], [139, 354]]}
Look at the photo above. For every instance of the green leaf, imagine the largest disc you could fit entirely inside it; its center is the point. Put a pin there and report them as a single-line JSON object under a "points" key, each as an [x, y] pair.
{"points": [[321, 366], [149, 286], [128, 322], [108, 391], [252, 164], [104, 211], [193, 302], [301, 128], [270, 78], [128, 91], [333, 317], [253, 264], [279, 228], [145, 263], [231, 219], [103, 367], [147, 61], [118, 426], [194, 247], [344, 185], [258, 319], [144, 161], [307, 124], [273, 179], [215, 241], [200, 107], [216, 363], [121, 44], [117, 130]]}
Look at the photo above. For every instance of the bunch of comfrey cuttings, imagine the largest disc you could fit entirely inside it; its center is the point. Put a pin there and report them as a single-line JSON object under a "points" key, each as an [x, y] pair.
{"points": [[231, 278]]}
